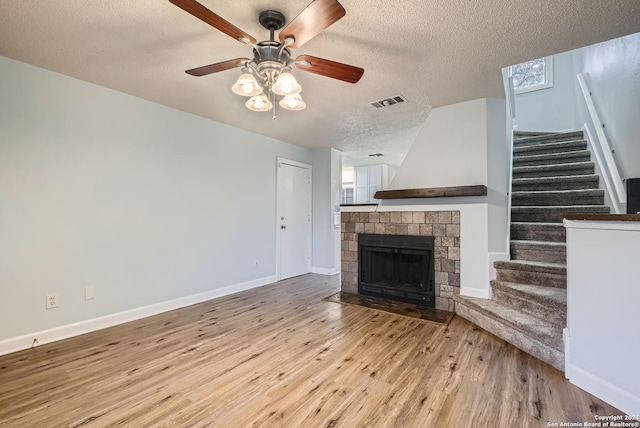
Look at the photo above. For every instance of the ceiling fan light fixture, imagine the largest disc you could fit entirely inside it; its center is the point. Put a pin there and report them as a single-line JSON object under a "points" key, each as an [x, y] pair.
{"points": [[246, 85], [269, 71], [293, 102], [286, 84], [259, 103]]}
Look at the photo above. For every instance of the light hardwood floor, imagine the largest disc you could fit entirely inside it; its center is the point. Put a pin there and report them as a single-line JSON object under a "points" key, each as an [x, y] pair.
{"points": [[280, 356]]}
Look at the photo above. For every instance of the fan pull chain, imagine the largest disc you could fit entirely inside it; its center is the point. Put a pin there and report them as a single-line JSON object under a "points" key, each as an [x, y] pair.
{"points": [[273, 103]]}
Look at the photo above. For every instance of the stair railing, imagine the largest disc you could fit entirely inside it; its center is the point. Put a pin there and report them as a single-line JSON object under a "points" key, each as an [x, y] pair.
{"points": [[600, 144]]}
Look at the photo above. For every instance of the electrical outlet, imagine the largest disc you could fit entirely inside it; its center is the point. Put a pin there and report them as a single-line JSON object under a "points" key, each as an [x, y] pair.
{"points": [[90, 292], [52, 301]]}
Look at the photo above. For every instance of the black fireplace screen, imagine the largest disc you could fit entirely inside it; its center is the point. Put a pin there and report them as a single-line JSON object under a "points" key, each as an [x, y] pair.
{"points": [[397, 267]]}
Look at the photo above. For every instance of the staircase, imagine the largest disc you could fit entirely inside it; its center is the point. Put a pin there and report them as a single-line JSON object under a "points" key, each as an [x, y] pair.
{"points": [[552, 176]]}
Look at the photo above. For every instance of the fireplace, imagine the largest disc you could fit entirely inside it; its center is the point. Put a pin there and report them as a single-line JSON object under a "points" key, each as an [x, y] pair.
{"points": [[397, 267], [443, 226]]}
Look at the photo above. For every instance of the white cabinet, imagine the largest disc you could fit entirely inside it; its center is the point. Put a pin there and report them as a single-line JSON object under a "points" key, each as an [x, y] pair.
{"points": [[367, 181], [361, 185]]}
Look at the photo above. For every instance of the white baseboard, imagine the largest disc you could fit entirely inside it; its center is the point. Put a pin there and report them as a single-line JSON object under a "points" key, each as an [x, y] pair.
{"points": [[19, 343], [475, 292], [617, 397], [325, 271]]}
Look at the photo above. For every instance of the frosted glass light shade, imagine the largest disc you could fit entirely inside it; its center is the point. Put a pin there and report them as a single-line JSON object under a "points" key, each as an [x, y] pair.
{"points": [[259, 103], [247, 86], [293, 102], [286, 84]]}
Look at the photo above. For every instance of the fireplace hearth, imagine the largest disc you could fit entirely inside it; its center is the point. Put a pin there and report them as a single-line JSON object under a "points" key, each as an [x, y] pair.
{"points": [[397, 267]]}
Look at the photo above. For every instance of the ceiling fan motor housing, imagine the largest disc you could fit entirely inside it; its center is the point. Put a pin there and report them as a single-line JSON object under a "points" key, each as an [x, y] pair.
{"points": [[270, 58], [272, 20]]}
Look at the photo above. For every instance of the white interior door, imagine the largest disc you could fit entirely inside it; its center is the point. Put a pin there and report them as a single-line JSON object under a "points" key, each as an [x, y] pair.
{"points": [[294, 218]]}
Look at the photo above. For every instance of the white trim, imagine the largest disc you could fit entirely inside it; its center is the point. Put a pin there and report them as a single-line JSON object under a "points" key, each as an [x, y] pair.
{"points": [[293, 163], [497, 257], [548, 78], [507, 81], [511, 97], [533, 88], [19, 343], [602, 225], [358, 208], [325, 271], [619, 398], [476, 292], [509, 193], [608, 167]]}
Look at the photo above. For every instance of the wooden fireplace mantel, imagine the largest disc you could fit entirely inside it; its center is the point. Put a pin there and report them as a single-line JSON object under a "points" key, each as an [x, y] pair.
{"points": [[432, 192]]}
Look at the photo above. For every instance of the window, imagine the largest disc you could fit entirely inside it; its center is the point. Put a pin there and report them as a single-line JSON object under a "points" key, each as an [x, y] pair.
{"points": [[532, 75]]}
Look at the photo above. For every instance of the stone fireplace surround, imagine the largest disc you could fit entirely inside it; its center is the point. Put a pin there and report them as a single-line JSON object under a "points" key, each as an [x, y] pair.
{"points": [[444, 226]]}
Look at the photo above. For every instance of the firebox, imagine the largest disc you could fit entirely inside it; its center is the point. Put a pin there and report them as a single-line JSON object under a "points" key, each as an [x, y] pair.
{"points": [[397, 267]]}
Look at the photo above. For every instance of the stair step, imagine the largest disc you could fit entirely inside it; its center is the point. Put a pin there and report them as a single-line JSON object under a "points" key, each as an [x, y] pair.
{"points": [[572, 182], [552, 138], [533, 335], [552, 158], [577, 168], [558, 197], [522, 134], [539, 251], [531, 272], [548, 303], [548, 232], [557, 147], [553, 214]]}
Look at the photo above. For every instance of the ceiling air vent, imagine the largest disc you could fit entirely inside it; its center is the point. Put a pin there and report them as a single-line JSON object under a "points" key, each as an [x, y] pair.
{"points": [[398, 99]]}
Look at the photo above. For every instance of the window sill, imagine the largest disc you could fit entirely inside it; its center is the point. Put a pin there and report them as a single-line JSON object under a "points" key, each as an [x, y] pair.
{"points": [[533, 88]]}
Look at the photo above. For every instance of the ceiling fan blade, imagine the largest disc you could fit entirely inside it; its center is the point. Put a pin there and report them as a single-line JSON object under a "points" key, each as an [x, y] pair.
{"points": [[214, 68], [335, 70], [319, 15], [204, 14]]}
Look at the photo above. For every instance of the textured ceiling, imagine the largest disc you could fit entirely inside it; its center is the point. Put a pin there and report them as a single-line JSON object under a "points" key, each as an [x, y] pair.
{"points": [[434, 52]]}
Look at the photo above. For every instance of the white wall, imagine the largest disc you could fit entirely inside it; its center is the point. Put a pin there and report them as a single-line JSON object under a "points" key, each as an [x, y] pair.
{"points": [[144, 202], [450, 149], [550, 109], [327, 182], [603, 292], [460, 145], [613, 74]]}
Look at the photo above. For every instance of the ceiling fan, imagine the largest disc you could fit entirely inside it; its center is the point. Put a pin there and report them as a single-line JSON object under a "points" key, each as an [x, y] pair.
{"points": [[269, 71]]}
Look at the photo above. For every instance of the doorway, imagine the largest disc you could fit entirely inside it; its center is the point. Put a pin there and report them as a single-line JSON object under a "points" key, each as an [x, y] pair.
{"points": [[293, 219]]}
